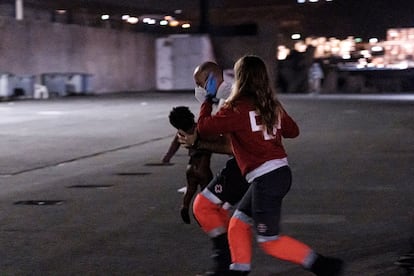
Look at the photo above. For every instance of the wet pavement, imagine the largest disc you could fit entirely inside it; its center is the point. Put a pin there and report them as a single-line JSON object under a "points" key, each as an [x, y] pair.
{"points": [[82, 192]]}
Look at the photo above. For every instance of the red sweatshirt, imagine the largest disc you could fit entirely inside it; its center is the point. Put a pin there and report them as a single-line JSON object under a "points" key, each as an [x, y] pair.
{"points": [[252, 146]]}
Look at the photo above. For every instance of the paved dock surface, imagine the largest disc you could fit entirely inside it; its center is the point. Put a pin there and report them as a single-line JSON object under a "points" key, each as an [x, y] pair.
{"points": [[81, 191]]}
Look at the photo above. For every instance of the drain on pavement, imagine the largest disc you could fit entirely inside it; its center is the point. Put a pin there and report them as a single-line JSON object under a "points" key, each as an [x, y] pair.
{"points": [[39, 202], [91, 186], [159, 164], [133, 173]]}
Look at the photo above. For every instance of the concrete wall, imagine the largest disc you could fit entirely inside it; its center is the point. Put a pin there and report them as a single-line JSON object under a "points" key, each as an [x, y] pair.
{"points": [[229, 49], [118, 60]]}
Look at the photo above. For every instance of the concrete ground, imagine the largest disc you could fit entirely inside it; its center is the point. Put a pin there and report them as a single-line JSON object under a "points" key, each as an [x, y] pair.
{"points": [[114, 211]]}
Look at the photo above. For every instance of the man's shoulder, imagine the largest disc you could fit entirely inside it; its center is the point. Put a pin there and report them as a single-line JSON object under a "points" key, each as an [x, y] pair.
{"points": [[224, 90]]}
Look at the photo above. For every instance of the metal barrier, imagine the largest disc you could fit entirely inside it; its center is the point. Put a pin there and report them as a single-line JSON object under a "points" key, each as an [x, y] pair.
{"points": [[64, 84], [7, 84], [24, 86]]}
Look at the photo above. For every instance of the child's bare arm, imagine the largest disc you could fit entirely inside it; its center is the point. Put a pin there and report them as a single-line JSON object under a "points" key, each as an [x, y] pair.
{"points": [[174, 146], [217, 144]]}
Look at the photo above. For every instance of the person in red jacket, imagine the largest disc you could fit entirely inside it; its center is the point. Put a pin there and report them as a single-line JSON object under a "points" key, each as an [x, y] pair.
{"points": [[212, 206], [256, 122]]}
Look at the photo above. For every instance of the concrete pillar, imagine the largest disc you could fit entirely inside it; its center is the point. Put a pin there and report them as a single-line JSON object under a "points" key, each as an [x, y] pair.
{"points": [[19, 9]]}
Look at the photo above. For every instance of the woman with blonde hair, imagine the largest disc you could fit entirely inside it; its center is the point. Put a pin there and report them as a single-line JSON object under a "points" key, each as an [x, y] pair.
{"points": [[256, 122]]}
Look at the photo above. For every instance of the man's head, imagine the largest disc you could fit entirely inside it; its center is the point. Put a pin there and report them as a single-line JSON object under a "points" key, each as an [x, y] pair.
{"points": [[182, 118], [208, 75], [203, 70]]}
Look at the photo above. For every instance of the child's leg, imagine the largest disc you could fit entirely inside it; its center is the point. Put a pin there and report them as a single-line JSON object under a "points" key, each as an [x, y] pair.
{"points": [[192, 185], [202, 171], [198, 174]]}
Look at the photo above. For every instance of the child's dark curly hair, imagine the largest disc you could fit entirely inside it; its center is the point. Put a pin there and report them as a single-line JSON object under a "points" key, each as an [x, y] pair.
{"points": [[181, 118]]}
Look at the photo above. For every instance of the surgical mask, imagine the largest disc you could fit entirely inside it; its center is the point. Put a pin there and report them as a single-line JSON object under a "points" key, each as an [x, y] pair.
{"points": [[200, 94]]}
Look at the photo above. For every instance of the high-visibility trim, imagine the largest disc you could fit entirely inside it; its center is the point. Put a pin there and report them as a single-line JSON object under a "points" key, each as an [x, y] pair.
{"points": [[309, 260], [288, 249], [243, 217], [265, 168], [227, 206], [240, 267], [266, 238], [216, 232], [212, 197]]}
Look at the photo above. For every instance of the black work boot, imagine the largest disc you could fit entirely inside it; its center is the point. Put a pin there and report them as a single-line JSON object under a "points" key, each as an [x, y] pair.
{"points": [[327, 266], [221, 256]]}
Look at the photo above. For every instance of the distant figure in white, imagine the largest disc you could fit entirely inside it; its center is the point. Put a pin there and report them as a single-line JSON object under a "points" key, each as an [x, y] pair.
{"points": [[40, 92], [315, 77]]}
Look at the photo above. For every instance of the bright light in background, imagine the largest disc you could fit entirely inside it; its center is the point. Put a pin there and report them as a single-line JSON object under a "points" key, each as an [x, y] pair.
{"points": [[295, 36], [149, 21], [174, 23], [377, 49], [301, 1], [365, 54], [373, 40], [392, 33], [282, 52], [185, 26], [300, 46], [152, 19], [132, 20], [402, 65], [61, 11], [162, 20], [395, 52]]}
